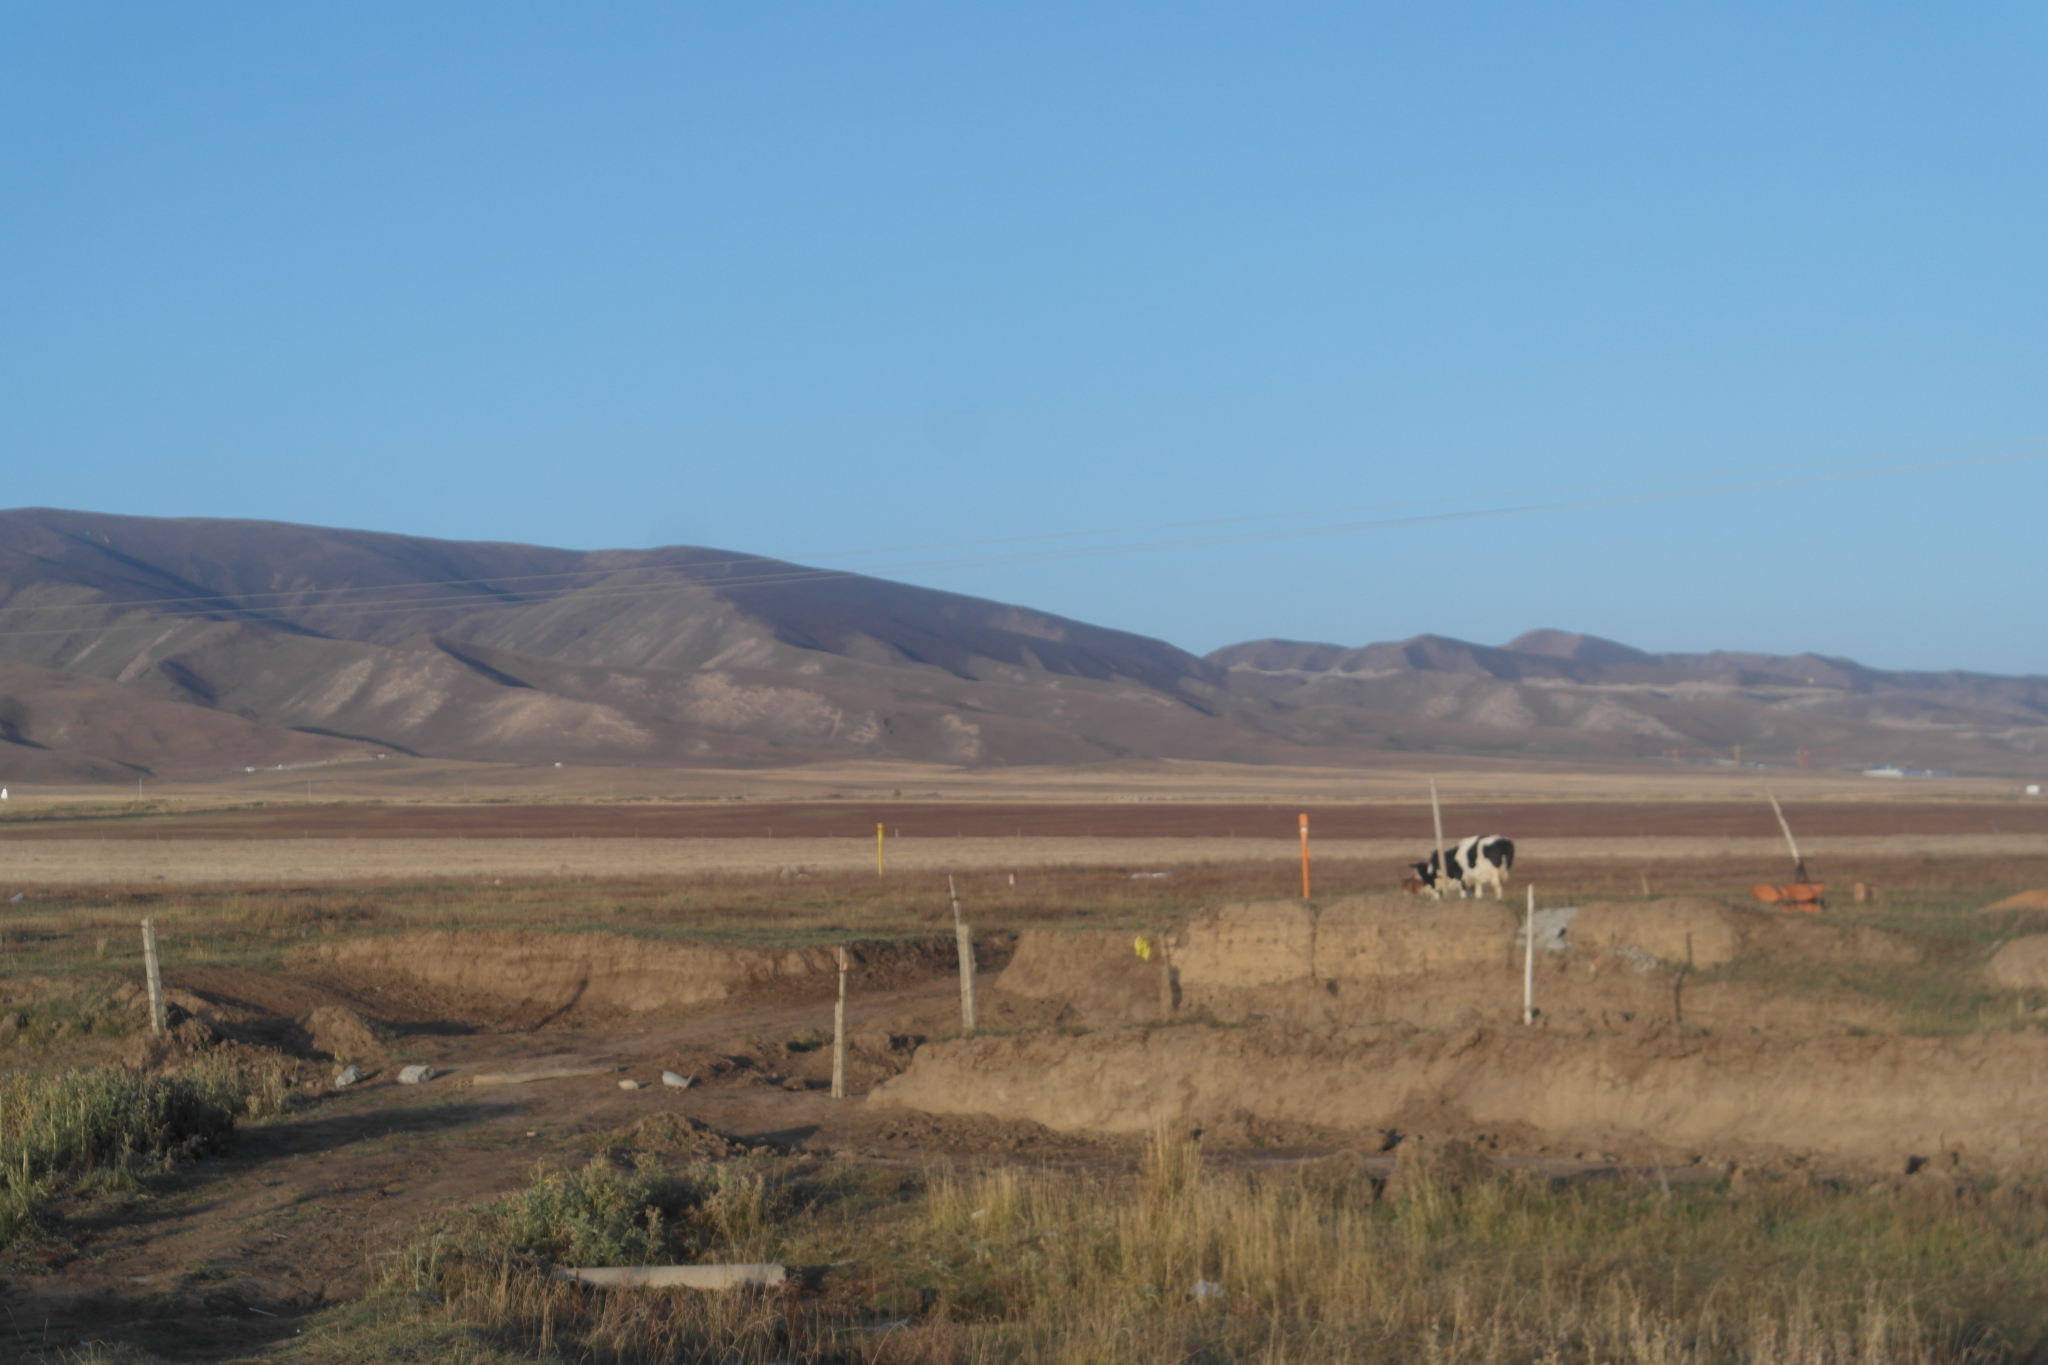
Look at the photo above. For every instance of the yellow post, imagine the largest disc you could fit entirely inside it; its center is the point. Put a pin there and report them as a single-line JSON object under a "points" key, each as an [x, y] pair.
{"points": [[1304, 855], [878, 850]]}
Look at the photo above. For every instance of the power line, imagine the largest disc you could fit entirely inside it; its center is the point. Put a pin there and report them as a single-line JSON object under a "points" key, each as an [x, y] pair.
{"points": [[786, 574], [1862, 467]]}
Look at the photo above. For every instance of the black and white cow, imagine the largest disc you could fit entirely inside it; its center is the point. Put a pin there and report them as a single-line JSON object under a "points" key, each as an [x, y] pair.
{"points": [[1476, 863]]}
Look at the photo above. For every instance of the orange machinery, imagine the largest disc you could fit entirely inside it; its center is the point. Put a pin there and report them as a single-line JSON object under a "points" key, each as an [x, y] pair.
{"points": [[1802, 893]]}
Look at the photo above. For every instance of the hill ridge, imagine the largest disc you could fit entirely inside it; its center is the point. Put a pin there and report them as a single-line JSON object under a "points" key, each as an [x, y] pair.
{"points": [[691, 655]]}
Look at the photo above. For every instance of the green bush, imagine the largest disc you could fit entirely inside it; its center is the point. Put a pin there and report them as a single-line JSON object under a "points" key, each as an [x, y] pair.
{"points": [[598, 1215]]}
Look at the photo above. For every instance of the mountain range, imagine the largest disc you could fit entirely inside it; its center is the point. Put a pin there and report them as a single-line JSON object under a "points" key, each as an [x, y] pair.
{"points": [[134, 645]]}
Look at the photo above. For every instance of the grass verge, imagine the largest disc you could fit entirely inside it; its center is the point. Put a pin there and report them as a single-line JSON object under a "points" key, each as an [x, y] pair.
{"points": [[1458, 1263], [99, 1128]]}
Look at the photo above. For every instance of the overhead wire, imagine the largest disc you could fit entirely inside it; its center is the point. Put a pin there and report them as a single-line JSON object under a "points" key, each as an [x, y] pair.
{"points": [[1860, 467], [787, 573]]}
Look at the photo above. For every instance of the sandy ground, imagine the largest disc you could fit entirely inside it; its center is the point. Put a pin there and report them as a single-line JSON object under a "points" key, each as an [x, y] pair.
{"points": [[1392, 778], [85, 862], [230, 1253]]}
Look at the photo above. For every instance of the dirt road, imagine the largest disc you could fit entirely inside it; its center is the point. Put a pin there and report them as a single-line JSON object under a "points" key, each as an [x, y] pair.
{"points": [[59, 862]]}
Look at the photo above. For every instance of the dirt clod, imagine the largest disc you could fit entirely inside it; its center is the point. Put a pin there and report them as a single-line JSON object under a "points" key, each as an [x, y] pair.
{"points": [[343, 1035], [678, 1134]]}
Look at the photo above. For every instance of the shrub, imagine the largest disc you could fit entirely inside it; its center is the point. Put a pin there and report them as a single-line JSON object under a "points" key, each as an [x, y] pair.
{"points": [[105, 1125]]}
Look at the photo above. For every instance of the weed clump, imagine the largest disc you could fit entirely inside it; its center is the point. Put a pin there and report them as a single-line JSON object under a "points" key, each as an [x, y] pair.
{"points": [[1457, 1262], [103, 1127]]}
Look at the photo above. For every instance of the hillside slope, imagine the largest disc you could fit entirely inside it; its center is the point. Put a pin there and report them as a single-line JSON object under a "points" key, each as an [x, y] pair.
{"points": [[61, 727], [274, 643], [1556, 693], [524, 653]]}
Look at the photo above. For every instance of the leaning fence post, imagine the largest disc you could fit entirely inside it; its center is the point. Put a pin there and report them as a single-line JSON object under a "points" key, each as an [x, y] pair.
{"points": [[839, 1034], [965, 938], [156, 979]]}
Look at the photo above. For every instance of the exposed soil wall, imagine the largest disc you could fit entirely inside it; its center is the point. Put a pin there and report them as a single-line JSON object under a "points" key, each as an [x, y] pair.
{"points": [[1867, 1099], [1373, 959], [1327, 1007], [2021, 965], [1091, 975], [1707, 933], [547, 975]]}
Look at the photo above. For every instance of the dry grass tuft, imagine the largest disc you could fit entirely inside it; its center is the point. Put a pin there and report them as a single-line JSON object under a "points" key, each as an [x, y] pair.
{"points": [[1461, 1264]]}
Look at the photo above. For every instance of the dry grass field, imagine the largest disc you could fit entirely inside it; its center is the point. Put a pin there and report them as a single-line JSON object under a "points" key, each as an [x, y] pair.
{"points": [[264, 1214]]}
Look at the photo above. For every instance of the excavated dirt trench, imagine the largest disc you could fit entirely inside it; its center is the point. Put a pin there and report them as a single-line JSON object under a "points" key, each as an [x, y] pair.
{"points": [[1376, 1014], [530, 980]]}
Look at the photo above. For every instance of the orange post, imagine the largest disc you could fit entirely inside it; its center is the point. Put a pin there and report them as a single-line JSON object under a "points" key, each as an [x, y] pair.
{"points": [[1304, 855]]}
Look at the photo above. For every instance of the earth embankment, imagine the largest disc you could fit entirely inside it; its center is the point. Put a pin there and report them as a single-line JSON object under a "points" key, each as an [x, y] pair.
{"points": [[1380, 1012], [547, 976], [1655, 1088], [1372, 959]]}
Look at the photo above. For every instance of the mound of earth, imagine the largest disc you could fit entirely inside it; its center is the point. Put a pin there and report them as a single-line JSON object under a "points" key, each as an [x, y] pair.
{"points": [[1370, 959], [2021, 965], [342, 1035], [1657, 1088], [1093, 974], [542, 978], [1703, 933], [2025, 900], [678, 1135], [1623, 1054]]}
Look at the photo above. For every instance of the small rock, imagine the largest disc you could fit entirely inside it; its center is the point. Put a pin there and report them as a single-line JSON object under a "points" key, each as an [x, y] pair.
{"points": [[346, 1077], [1207, 1291], [415, 1075], [629, 1085], [675, 1082]]}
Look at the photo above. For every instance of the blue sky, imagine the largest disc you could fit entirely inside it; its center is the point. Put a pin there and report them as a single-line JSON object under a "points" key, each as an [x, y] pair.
{"points": [[804, 279]]}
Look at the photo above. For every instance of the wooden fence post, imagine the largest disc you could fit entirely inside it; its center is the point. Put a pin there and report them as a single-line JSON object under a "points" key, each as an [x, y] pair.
{"points": [[1436, 813], [965, 938], [1529, 960], [157, 1022], [839, 1033]]}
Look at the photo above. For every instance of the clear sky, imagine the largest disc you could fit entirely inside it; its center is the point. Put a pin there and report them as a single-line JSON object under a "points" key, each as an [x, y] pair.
{"points": [[799, 279]]}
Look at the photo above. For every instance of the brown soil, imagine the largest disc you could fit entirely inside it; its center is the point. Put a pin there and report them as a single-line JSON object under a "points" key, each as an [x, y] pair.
{"points": [[231, 1252], [1889, 859], [2025, 900], [532, 980], [1378, 1013], [1296, 1027], [2021, 965], [1651, 1088], [1367, 960], [1062, 820]]}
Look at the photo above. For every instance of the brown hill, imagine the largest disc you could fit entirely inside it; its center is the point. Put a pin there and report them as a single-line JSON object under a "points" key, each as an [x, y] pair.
{"points": [[523, 653], [306, 636], [1552, 692], [61, 727]]}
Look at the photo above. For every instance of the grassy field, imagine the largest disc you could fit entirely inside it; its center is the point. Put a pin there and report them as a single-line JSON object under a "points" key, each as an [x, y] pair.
{"points": [[98, 1130], [1454, 1261], [73, 943]]}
